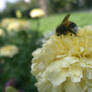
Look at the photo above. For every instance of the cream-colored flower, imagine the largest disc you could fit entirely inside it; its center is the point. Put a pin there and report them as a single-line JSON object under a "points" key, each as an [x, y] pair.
{"points": [[36, 13], [11, 89], [18, 26], [64, 63], [2, 32], [8, 51], [15, 25], [5, 22]]}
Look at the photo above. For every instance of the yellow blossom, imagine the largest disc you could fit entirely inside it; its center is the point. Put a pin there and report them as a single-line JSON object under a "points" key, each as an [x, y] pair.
{"points": [[64, 63], [15, 25], [18, 26], [35, 13], [2, 32], [18, 14], [8, 51], [11, 89], [5, 22]]}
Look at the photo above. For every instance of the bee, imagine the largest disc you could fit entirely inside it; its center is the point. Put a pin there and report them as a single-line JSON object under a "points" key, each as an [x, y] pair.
{"points": [[66, 26]]}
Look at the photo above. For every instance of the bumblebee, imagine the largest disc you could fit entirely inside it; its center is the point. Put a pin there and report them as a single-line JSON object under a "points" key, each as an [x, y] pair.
{"points": [[66, 26]]}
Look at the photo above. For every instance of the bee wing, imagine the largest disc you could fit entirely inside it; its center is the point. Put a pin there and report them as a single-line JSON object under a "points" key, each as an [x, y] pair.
{"points": [[65, 20]]}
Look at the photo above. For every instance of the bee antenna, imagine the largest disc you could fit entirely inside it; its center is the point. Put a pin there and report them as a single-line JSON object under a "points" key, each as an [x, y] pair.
{"points": [[66, 18]]}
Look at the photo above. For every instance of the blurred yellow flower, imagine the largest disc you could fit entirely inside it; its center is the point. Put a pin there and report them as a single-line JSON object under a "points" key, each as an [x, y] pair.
{"points": [[8, 51], [36, 13], [18, 26], [2, 32], [15, 25], [11, 89], [64, 63], [18, 14], [5, 22]]}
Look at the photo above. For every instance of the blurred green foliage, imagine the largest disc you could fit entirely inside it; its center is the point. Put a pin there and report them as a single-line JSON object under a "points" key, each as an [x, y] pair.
{"points": [[57, 6], [88, 3], [19, 67], [53, 6], [11, 8]]}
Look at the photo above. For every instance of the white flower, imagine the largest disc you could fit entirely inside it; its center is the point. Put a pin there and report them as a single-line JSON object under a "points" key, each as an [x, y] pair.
{"points": [[64, 63], [72, 87], [8, 51], [35, 13]]}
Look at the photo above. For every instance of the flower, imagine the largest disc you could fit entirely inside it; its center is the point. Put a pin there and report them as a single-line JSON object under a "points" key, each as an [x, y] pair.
{"points": [[36, 13], [15, 25], [2, 32], [5, 22], [8, 51], [18, 14], [64, 63], [44, 38], [10, 86], [11, 89], [18, 26]]}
